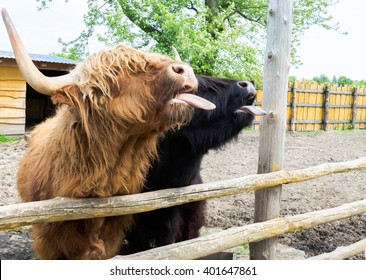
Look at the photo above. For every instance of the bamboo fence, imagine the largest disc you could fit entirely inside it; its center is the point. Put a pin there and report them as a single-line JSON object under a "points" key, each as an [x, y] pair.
{"points": [[312, 107]]}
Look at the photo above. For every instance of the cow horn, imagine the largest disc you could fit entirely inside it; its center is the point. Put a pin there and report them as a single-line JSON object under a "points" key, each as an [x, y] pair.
{"points": [[176, 54], [41, 83]]}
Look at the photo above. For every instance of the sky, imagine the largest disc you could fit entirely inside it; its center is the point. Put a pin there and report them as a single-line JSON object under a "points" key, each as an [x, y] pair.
{"points": [[321, 51]]}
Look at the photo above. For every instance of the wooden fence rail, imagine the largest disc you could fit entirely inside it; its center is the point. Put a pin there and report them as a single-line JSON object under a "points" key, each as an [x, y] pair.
{"points": [[343, 252], [61, 209], [312, 107], [217, 242]]}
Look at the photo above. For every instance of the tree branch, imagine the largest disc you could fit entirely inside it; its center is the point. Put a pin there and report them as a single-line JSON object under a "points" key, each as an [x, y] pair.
{"points": [[131, 14], [248, 18], [192, 8]]}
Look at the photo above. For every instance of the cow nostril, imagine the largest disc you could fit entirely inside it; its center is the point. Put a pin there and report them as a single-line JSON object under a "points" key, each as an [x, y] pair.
{"points": [[249, 88], [179, 69], [184, 73], [243, 84], [188, 88], [252, 94]]}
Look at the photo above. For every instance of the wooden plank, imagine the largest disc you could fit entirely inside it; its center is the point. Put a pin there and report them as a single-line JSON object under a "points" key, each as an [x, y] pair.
{"points": [[341, 92], [13, 85], [306, 109], [218, 242], [318, 108], [343, 252], [10, 73], [337, 106], [11, 129], [20, 121], [64, 209], [311, 110], [8, 102], [336, 110], [308, 90], [341, 116], [273, 126], [339, 122], [12, 93], [289, 108], [300, 111], [293, 109], [354, 106], [12, 112], [326, 108], [307, 122]]}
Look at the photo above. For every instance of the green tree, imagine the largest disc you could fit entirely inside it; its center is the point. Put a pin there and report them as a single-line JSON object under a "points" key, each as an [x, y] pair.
{"points": [[217, 37], [335, 80], [361, 83], [343, 80], [322, 79]]}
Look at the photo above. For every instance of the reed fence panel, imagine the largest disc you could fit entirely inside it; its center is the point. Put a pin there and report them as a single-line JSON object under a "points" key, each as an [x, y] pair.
{"points": [[313, 107]]}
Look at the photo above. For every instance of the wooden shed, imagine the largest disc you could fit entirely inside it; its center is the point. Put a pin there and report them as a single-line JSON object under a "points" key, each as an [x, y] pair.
{"points": [[21, 107]]}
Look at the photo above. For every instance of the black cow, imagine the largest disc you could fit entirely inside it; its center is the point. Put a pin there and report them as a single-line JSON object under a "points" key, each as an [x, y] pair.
{"points": [[180, 157]]}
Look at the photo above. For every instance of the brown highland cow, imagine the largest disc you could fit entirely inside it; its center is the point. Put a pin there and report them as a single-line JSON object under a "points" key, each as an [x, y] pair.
{"points": [[113, 108]]}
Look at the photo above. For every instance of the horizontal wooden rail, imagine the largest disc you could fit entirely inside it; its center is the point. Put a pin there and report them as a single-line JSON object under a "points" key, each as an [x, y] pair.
{"points": [[62, 209], [343, 252], [217, 242]]}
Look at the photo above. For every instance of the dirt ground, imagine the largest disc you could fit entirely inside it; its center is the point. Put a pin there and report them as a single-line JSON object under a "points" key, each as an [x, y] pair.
{"points": [[237, 159]]}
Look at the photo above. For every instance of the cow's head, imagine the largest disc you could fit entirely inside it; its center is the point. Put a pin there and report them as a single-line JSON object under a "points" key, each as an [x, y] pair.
{"points": [[140, 90], [234, 110], [233, 99]]}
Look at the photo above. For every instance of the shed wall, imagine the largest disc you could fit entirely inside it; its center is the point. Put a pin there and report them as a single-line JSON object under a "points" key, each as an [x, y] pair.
{"points": [[12, 101]]}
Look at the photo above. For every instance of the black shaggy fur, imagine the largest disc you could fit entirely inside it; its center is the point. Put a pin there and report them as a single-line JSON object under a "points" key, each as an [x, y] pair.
{"points": [[180, 156]]}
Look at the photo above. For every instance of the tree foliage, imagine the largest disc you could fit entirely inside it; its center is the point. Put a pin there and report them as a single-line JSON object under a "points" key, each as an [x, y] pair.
{"points": [[217, 37], [341, 81], [322, 79]]}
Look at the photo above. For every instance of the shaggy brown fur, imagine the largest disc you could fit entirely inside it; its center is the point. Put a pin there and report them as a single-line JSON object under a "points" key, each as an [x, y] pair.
{"points": [[99, 144]]}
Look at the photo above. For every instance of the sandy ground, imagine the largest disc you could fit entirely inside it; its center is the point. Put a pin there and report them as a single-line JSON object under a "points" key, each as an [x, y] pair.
{"points": [[237, 159]]}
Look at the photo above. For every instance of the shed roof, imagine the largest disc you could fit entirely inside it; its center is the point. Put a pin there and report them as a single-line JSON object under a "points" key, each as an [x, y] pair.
{"points": [[41, 58]]}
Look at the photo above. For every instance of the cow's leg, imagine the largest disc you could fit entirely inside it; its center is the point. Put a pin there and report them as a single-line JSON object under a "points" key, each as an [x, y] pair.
{"points": [[70, 240], [113, 233], [193, 219]]}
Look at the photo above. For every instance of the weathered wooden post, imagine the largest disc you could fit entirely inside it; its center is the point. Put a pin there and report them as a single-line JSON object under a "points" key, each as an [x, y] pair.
{"points": [[354, 107], [326, 107], [273, 126], [293, 109]]}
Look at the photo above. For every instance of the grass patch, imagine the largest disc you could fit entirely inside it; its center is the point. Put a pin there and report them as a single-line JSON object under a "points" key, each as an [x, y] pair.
{"points": [[7, 139]]}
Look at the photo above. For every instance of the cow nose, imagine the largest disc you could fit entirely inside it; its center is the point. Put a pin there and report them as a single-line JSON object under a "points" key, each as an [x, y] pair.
{"points": [[249, 87], [185, 71]]}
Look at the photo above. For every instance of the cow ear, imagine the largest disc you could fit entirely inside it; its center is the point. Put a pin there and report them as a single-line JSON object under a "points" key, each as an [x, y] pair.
{"points": [[64, 96]]}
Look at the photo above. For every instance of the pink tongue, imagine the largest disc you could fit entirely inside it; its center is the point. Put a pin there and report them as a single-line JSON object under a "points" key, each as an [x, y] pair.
{"points": [[196, 101], [255, 111]]}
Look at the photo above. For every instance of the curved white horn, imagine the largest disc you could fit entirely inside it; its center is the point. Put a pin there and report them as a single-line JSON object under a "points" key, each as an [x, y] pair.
{"points": [[176, 54], [41, 83]]}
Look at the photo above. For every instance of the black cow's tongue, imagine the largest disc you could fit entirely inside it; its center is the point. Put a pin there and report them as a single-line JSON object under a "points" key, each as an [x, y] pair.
{"points": [[194, 101], [251, 110]]}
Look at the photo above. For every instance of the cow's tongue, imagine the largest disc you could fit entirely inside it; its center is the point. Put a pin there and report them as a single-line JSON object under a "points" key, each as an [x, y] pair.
{"points": [[195, 101], [255, 111]]}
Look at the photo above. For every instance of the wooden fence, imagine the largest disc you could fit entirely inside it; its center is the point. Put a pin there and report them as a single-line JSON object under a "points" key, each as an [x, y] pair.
{"points": [[61, 209], [312, 107]]}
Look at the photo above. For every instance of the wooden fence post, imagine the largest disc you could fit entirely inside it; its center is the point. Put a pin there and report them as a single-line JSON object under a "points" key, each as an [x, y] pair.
{"points": [[326, 107], [354, 107], [273, 125], [293, 109]]}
